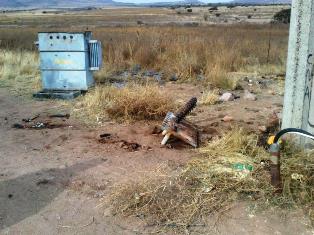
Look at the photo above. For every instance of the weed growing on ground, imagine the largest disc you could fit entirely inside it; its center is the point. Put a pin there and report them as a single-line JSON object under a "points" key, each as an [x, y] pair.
{"points": [[210, 97], [228, 169]]}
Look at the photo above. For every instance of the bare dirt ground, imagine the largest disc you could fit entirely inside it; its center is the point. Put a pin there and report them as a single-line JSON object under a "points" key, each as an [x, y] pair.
{"points": [[56, 181]]}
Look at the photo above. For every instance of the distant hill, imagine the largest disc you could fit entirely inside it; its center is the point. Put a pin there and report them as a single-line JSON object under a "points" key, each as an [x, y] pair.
{"points": [[178, 2], [24, 4], [266, 2], [56, 3]]}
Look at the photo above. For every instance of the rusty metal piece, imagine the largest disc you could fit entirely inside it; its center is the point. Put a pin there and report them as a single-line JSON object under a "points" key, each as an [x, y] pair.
{"points": [[186, 109], [60, 115], [186, 132], [274, 150], [175, 125]]}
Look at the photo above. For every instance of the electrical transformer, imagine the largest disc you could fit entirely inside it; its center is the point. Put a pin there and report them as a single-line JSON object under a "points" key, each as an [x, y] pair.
{"points": [[67, 62]]}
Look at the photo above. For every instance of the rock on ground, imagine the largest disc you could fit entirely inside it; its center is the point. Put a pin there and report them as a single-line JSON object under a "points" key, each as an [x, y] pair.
{"points": [[227, 96], [249, 96]]}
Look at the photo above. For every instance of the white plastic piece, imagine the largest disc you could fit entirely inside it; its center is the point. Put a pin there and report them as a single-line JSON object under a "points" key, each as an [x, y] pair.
{"points": [[165, 139]]}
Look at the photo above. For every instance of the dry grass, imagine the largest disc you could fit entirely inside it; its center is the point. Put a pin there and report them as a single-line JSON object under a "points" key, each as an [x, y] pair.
{"points": [[188, 52], [210, 51], [206, 184], [133, 102], [228, 169], [297, 171], [19, 71], [210, 97]]}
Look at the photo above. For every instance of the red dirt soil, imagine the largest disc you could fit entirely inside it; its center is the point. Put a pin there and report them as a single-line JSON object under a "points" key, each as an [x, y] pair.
{"points": [[53, 181]]}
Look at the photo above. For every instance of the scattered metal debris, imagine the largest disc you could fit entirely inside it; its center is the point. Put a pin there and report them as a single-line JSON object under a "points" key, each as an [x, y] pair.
{"points": [[43, 182], [175, 125], [39, 125], [44, 123], [18, 126], [59, 115], [31, 119]]}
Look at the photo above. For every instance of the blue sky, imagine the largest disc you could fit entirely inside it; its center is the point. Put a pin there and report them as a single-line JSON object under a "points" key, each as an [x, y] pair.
{"points": [[148, 1]]}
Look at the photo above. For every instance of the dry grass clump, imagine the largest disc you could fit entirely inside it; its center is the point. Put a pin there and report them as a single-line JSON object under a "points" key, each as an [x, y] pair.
{"points": [[19, 70], [228, 169], [297, 171], [210, 97], [206, 184], [132, 102]]}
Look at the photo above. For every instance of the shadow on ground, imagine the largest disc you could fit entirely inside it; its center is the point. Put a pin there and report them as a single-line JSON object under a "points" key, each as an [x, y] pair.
{"points": [[26, 195]]}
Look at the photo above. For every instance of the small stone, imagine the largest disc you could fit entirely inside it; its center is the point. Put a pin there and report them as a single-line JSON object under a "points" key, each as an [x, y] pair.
{"points": [[147, 148], [262, 128], [158, 77], [226, 97], [200, 77], [249, 122], [249, 96], [173, 78], [118, 84], [125, 74], [136, 69], [18, 126], [150, 73], [239, 87], [227, 118], [215, 124]]}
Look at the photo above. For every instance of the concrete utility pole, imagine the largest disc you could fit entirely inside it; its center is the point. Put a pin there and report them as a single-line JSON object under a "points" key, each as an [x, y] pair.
{"points": [[298, 111]]}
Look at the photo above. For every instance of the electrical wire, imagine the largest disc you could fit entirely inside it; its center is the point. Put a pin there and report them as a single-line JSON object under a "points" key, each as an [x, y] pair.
{"points": [[293, 131]]}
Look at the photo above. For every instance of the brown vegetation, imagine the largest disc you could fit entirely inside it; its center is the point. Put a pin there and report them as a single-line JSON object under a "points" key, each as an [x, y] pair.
{"points": [[133, 102], [206, 184], [231, 168], [210, 51], [19, 71]]}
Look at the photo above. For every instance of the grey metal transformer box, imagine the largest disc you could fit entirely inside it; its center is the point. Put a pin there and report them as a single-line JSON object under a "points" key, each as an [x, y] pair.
{"points": [[67, 60]]}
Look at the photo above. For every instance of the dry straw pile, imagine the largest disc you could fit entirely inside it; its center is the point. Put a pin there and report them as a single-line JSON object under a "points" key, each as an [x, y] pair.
{"points": [[132, 102], [230, 168]]}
